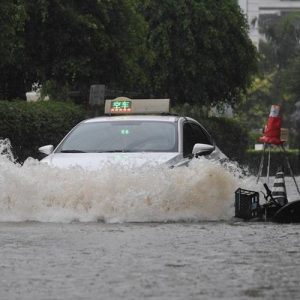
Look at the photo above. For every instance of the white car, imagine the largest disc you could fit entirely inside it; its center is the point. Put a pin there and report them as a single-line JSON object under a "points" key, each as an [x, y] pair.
{"points": [[133, 139]]}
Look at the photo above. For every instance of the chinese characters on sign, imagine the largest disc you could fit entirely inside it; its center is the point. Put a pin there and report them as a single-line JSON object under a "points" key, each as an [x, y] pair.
{"points": [[121, 106]]}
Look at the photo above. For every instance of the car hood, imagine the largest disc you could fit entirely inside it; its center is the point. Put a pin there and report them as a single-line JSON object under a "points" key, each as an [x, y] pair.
{"points": [[94, 161]]}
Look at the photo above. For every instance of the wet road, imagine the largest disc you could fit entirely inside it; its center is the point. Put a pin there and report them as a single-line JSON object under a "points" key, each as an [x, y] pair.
{"points": [[58, 259], [210, 260]]}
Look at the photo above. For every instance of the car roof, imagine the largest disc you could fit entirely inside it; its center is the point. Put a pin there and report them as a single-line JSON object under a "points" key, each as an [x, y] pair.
{"points": [[133, 118]]}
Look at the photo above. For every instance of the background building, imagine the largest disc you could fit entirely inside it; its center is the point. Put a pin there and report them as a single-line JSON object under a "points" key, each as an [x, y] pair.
{"points": [[256, 9]]}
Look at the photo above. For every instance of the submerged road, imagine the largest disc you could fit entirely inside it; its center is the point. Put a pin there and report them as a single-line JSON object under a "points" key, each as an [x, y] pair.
{"points": [[210, 260], [204, 260]]}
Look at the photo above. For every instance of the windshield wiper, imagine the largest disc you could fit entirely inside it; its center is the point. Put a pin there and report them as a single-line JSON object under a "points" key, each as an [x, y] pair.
{"points": [[72, 151]]}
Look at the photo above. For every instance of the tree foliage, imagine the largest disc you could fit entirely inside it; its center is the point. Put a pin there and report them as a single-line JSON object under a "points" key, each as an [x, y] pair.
{"points": [[279, 66], [12, 20], [194, 51], [282, 39], [202, 50], [83, 42], [31, 125]]}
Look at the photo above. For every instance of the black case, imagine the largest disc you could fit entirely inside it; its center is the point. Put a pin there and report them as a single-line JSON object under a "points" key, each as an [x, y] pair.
{"points": [[247, 204]]}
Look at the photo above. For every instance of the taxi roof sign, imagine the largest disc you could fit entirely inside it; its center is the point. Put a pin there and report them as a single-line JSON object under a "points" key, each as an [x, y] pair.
{"points": [[125, 106]]}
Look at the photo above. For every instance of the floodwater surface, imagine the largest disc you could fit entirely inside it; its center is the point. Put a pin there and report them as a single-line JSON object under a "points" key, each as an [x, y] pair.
{"points": [[209, 260], [154, 233]]}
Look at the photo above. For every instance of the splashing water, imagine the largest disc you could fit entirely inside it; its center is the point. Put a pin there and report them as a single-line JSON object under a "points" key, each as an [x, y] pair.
{"points": [[38, 192]]}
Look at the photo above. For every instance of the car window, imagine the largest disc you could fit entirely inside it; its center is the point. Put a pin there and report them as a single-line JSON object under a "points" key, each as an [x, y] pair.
{"points": [[193, 134], [200, 135], [122, 136]]}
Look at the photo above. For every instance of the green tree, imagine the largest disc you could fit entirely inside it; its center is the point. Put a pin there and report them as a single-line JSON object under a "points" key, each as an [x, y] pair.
{"points": [[12, 19], [195, 51], [78, 43], [279, 53], [202, 53], [279, 75], [255, 107], [282, 42], [291, 78]]}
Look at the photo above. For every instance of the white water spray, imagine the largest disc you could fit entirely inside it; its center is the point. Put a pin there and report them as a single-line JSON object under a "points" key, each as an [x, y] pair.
{"points": [[37, 192]]}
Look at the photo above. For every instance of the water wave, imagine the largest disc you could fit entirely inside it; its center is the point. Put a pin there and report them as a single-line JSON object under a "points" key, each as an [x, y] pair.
{"points": [[37, 192]]}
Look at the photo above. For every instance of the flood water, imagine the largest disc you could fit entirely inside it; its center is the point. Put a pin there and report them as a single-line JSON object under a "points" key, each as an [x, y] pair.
{"points": [[157, 234], [208, 260]]}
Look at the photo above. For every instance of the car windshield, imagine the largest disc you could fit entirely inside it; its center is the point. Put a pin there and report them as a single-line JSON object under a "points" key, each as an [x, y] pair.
{"points": [[121, 136]]}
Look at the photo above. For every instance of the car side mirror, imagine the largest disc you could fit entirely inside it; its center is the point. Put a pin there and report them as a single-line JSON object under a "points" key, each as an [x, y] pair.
{"points": [[202, 149], [46, 149]]}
